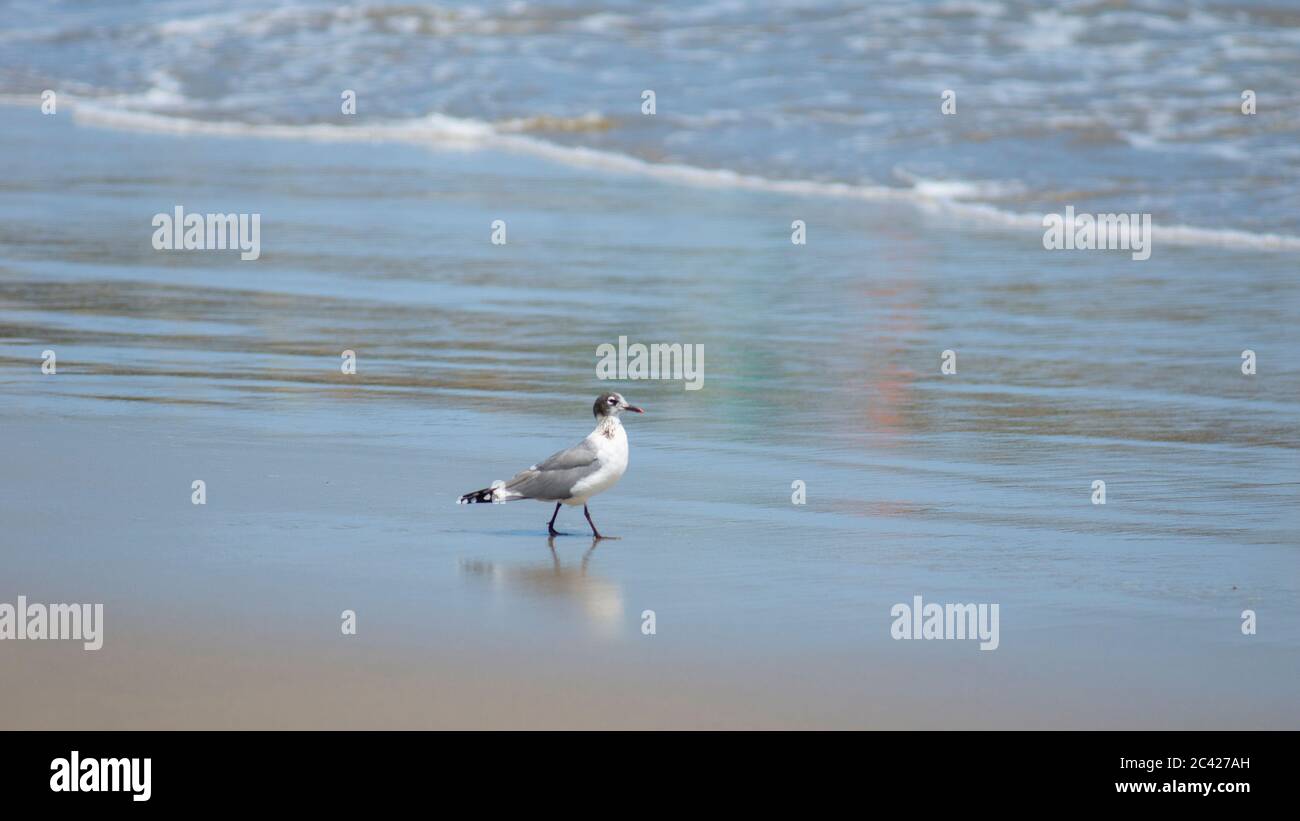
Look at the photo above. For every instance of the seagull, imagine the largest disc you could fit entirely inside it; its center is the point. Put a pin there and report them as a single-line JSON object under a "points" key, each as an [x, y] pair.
{"points": [[572, 476]]}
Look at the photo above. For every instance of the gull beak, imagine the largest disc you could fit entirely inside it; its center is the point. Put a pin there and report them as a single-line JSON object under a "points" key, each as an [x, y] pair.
{"points": [[633, 408]]}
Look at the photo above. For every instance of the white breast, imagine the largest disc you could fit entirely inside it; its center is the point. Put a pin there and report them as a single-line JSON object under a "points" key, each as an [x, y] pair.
{"points": [[610, 441]]}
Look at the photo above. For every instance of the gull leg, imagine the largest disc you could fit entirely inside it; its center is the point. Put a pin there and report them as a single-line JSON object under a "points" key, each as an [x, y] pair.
{"points": [[594, 531], [550, 526]]}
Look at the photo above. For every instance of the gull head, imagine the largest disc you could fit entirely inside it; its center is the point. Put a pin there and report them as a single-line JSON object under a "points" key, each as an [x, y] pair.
{"points": [[612, 404]]}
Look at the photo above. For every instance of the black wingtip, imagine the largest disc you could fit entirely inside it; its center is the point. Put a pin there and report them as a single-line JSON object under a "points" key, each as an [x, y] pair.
{"points": [[476, 497]]}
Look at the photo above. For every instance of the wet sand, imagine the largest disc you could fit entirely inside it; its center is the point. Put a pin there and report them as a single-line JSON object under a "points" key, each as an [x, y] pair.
{"points": [[228, 615]]}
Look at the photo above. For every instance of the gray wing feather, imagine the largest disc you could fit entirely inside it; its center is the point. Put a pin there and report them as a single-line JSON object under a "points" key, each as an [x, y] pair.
{"points": [[553, 480]]}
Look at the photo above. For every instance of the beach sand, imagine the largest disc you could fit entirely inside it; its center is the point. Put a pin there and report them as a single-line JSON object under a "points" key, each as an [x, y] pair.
{"points": [[328, 492]]}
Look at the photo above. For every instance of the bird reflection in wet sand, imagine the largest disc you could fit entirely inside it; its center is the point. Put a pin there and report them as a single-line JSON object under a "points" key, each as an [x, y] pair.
{"points": [[600, 600]]}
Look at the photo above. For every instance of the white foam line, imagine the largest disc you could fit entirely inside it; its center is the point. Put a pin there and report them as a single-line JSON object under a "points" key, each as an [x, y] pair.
{"points": [[452, 132]]}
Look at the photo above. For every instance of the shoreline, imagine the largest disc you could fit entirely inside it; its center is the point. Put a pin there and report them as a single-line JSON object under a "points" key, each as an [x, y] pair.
{"points": [[441, 132]]}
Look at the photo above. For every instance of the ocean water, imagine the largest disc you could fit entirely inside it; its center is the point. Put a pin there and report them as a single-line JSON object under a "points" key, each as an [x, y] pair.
{"points": [[1128, 106], [822, 361]]}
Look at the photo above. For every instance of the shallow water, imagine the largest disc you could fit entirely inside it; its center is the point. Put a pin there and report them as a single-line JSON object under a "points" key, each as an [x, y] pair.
{"points": [[822, 364]]}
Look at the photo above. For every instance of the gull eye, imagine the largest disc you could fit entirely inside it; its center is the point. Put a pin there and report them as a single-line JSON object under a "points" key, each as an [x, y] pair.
{"points": [[612, 401]]}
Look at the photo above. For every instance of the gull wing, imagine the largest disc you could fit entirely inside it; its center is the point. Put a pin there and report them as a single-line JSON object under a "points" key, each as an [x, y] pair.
{"points": [[553, 479]]}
